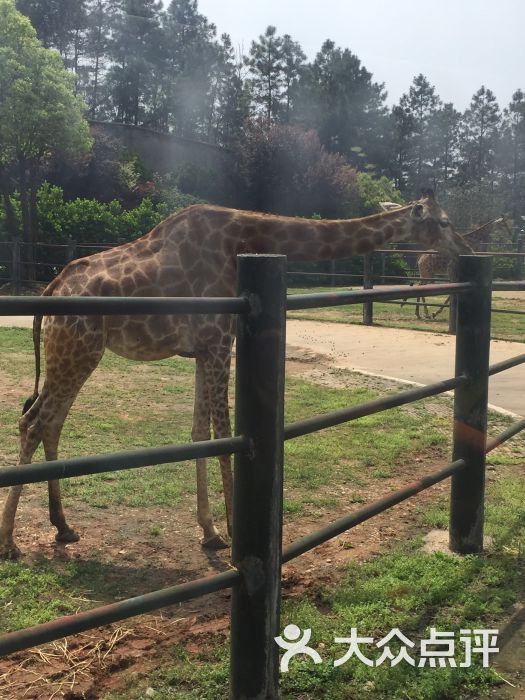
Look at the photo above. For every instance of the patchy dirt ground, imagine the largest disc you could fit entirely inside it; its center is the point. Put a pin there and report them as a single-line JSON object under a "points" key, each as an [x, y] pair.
{"points": [[88, 665]]}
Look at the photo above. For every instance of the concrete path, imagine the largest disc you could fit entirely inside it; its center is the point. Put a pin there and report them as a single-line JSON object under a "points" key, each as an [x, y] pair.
{"points": [[411, 356]]}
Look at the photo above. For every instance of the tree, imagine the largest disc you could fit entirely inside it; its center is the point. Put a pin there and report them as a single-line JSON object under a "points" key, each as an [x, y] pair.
{"points": [[99, 21], [401, 131], [511, 156], [136, 38], [480, 129], [337, 97], [442, 144], [293, 59], [60, 24], [286, 170], [231, 106], [419, 104], [192, 56], [266, 68], [39, 114]]}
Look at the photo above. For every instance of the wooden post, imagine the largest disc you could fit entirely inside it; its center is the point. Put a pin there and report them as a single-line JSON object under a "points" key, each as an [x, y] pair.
{"points": [[258, 482], [470, 406]]}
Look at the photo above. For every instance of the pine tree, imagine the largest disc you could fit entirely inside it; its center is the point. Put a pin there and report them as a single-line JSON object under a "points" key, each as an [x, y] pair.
{"points": [[232, 99], [293, 58], [266, 63], [99, 22], [511, 156], [419, 104], [60, 24], [336, 96], [479, 140], [191, 58], [442, 145], [134, 49]]}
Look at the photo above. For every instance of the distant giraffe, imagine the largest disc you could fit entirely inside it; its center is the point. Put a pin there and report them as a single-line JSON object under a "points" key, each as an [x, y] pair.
{"points": [[431, 266], [191, 253]]}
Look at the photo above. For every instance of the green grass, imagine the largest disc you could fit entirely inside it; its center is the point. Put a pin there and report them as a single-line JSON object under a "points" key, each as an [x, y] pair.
{"points": [[404, 588], [127, 405], [504, 326]]}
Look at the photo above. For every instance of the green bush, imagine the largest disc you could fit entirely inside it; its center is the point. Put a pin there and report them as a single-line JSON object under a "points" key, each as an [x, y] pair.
{"points": [[373, 190], [91, 221]]}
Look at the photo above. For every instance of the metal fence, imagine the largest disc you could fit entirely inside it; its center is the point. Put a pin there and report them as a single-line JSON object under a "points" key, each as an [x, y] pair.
{"points": [[258, 446]]}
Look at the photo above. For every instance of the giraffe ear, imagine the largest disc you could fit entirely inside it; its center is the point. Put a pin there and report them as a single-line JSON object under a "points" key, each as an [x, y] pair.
{"points": [[418, 212], [389, 206], [428, 192]]}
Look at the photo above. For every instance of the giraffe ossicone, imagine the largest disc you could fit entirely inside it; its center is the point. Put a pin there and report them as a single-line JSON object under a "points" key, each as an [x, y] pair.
{"points": [[191, 253]]}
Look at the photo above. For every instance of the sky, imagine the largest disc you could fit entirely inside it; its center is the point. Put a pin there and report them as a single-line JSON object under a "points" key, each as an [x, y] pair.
{"points": [[459, 45]]}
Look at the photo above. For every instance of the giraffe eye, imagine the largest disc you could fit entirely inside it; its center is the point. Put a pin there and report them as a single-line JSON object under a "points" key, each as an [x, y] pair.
{"points": [[444, 223]]}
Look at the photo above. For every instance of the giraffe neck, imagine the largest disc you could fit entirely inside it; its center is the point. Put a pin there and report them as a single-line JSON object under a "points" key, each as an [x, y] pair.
{"points": [[310, 239]]}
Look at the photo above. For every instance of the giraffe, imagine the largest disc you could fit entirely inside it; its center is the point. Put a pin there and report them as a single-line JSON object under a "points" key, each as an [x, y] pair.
{"points": [[431, 265], [191, 253]]}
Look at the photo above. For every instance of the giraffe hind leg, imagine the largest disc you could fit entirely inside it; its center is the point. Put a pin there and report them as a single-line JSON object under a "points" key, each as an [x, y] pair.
{"points": [[73, 349], [30, 438], [56, 511]]}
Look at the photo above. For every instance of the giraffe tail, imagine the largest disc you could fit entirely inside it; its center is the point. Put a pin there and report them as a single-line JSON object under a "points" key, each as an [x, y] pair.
{"points": [[37, 330]]}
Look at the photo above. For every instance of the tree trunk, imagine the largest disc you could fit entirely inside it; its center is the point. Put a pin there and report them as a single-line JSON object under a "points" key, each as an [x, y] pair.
{"points": [[27, 247], [11, 224]]}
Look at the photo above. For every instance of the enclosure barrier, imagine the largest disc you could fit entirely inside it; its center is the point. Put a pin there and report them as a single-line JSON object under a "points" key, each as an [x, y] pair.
{"points": [[258, 444], [368, 278]]}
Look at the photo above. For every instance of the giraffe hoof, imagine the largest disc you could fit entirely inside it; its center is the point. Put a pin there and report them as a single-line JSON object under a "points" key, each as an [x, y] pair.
{"points": [[67, 536], [10, 551], [214, 542]]}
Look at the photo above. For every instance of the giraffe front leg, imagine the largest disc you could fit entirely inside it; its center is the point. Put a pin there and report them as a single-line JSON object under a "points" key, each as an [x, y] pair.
{"points": [[211, 537], [8, 547], [30, 437]]}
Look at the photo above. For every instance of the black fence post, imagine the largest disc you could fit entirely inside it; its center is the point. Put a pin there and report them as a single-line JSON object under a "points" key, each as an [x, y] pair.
{"points": [[368, 306], [258, 479], [70, 250], [453, 301], [470, 406], [16, 275], [518, 268]]}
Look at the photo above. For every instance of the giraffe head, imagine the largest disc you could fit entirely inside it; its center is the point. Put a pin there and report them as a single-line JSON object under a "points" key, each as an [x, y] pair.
{"points": [[429, 225]]}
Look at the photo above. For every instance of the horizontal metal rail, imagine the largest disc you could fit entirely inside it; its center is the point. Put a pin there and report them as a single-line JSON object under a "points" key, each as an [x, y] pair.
{"points": [[515, 312], [511, 431], [122, 306], [514, 286], [506, 364], [312, 301], [484, 253], [359, 516], [343, 415], [417, 303], [106, 614], [129, 459]]}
